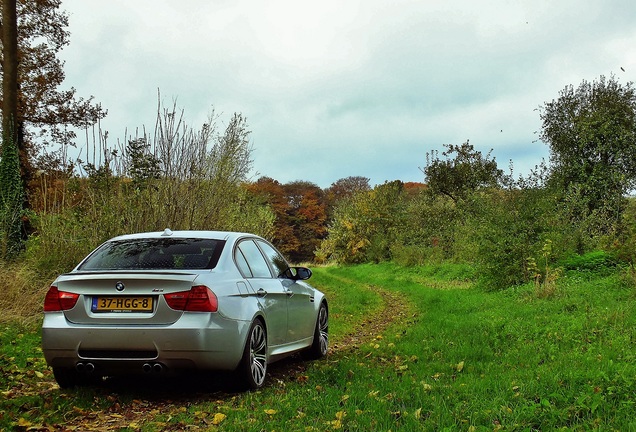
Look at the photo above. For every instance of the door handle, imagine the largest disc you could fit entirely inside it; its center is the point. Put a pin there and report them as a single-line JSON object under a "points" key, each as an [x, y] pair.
{"points": [[289, 292], [261, 292]]}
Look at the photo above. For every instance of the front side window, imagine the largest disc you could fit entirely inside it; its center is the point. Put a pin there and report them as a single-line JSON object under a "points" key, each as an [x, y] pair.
{"points": [[275, 258], [155, 254]]}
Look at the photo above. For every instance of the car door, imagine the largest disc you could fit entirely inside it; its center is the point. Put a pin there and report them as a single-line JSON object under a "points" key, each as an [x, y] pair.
{"points": [[269, 290], [300, 297]]}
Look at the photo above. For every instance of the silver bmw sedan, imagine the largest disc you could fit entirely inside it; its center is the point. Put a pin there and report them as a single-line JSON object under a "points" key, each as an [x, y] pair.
{"points": [[185, 300]]}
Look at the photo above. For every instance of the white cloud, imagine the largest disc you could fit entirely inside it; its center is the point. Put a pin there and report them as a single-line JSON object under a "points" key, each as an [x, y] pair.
{"points": [[339, 88]]}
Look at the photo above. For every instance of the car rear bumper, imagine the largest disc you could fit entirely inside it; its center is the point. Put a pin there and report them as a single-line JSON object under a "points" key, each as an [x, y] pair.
{"points": [[186, 344]]}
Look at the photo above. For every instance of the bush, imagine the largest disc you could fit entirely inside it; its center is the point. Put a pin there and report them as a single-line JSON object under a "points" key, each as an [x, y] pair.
{"points": [[510, 226], [432, 224], [365, 225], [596, 262], [415, 255]]}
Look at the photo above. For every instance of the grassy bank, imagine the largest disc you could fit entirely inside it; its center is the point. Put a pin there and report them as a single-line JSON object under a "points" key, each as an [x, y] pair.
{"points": [[460, 359]]}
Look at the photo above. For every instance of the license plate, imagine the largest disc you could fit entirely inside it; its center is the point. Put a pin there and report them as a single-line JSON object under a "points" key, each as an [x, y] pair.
{"points": [[122, 304]]}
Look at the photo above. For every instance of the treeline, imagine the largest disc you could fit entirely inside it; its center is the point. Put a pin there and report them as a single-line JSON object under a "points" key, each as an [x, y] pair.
{"points": [[515, 233], [179, 177], [513, 230], [570, 212]]}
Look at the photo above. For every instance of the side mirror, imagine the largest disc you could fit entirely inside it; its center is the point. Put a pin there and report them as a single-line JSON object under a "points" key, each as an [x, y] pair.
{"points": [[298, 273]]}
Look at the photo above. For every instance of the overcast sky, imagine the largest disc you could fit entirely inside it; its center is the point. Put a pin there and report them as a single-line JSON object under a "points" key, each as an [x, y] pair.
{"points": [[339, 88]]}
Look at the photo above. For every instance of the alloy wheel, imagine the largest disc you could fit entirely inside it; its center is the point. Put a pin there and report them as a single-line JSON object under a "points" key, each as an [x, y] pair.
{"points": [[258, 354]]}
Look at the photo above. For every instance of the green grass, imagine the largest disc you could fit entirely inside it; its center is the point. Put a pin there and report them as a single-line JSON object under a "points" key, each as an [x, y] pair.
{"points": [[461, 359], [350, 299]]}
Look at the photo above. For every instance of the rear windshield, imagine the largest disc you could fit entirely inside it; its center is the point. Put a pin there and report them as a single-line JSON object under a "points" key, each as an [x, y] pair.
{"points": [[156, 254]]}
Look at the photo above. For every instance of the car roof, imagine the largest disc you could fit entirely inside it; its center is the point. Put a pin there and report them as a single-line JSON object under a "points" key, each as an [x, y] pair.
{"points": [[167, 233]]}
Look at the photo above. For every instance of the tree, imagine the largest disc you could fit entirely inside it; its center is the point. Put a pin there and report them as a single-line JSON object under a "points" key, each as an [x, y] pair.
{"points": [[591, 131], [344, 188], [271, 192], [307, 216], [44, 112], [11, 196], [300, 215], [468, 171], [143, 166], [365, 225], [230, 158]]}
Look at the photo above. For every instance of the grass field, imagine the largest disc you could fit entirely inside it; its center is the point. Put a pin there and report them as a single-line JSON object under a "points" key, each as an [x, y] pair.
{"points": [[452, 358]]}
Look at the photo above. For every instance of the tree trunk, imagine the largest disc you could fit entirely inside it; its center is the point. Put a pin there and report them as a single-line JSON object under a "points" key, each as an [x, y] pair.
{"points": [[11, 191], [10, 70]]}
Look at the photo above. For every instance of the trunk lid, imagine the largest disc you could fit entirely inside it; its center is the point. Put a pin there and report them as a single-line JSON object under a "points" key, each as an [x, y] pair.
{"points": [[127, 297]]}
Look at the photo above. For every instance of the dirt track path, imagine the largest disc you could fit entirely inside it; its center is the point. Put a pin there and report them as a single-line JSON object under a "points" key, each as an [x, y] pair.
{"points": [[395, 309]]}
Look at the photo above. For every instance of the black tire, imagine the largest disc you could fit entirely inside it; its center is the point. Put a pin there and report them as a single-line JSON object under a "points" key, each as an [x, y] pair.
{"points": [[66, 377], [253, 367], [320, 345]]}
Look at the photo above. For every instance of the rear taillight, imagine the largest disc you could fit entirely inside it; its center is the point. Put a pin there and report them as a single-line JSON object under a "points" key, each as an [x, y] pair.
{"points": [[198, 299], [56, 300]]}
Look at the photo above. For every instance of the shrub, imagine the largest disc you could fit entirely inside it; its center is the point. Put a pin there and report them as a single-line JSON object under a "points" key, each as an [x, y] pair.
{"points": [[544, 275], [432, 224], [365, 225], [415, 255], [596, 262], [510, 226]]}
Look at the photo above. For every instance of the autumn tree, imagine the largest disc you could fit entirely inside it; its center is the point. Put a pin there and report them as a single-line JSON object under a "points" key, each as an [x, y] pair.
{"points": [[46, 114], [591, 131], [347, 186], [300, 215], [270, 192], [365, 225], [307, 216], [343, 188]]}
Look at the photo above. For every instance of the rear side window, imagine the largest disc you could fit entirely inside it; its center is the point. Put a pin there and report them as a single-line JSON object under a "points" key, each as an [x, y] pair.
{"points": [[250, 260], [156, 254]]}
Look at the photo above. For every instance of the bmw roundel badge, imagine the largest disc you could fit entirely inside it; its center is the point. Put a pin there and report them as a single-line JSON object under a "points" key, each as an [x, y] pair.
{"points": [[119, 286]]}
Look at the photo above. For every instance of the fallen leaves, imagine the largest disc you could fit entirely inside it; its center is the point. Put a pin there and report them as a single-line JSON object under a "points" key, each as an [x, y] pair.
{"points": [[337, 423], [302, 378], [218, 419], [427, 387], [24, 423]]}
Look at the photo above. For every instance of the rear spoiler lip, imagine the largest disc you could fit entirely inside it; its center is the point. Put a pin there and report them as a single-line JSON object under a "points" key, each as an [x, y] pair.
{"points": [[135, 272]]}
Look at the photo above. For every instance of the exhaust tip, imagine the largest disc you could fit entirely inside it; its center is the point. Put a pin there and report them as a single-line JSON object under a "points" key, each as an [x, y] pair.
{"points": [[84, 367], [152, 367]]}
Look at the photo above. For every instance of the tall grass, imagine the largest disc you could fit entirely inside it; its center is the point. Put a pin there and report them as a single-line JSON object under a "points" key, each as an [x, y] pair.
{"points": [[182, 178], [22, 294]]}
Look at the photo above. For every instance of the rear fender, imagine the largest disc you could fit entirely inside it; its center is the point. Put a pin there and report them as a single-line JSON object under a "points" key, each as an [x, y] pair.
{"points": [[237, 306]]}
